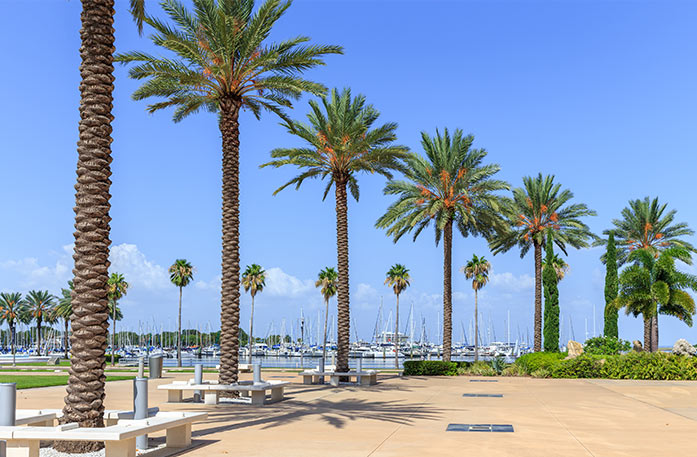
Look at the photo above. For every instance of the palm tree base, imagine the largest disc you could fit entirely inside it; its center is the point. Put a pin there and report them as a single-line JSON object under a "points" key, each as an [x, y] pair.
{"points": [[78, 447]]}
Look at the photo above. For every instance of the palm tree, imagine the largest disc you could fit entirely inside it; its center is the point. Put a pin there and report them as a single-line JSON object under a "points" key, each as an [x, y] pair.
{"points": [[559, 265], [64, 310], [222, 65], [449, 187], [477, 269], [538, 206], [117, 287], [12, 311], [341, 141], [181, 273], [397, 278], [253, 281], [328, 280], [645, 224], [39, 307], [653, 285]]}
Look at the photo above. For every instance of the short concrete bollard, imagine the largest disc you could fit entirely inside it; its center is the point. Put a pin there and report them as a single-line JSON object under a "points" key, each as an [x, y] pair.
{"points": [[257, 373], [3, 449], [141, 367], [321, 370], [155, 367], [198, 379], [8, 403], [140, 407], [334, 359], [359, 368]]}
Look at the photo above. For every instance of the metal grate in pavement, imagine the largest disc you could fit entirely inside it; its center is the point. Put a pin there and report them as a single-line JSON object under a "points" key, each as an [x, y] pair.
{"points": [[479, 428], [483, 395]]}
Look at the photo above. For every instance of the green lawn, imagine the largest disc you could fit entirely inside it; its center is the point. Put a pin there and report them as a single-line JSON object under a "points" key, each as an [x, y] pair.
{"points": [[29, 381]]}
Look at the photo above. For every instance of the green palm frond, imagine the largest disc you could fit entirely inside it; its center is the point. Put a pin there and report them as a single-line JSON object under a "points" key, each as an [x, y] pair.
{"points": [[451, 183], [477, 269], [328, 280], [254, 279], [12, 308], [181, 273], [398, 278], [39, 306]]}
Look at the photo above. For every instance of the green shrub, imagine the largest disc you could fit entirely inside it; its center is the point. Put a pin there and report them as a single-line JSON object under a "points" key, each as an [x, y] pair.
{"points": [[117, 357], [540, 373], [583, 366], [512, 370], [529, 363], [477, 369], [606, 345], [645, 365], [430, 368], [498, 364]]}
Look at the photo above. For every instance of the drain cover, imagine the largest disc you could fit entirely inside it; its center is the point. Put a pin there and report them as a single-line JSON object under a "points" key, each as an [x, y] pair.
{"points": [[484, 380], [483, 395], [479, 428]]}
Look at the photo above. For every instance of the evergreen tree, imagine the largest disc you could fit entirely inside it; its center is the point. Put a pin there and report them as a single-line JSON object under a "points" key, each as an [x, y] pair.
{"points": [[611, 288], [551, 320]]}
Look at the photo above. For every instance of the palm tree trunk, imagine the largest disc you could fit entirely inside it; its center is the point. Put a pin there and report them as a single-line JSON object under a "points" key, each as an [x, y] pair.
{"points": [[65, 337], [13, 331], [179, 331], [38, 336], [84, 402], [326, 316], [396, 336], [113, 334], [476, 329], [654, 333], [342, 253], [447, 290], [647, 334], [250, 340], [230, 290], [538, 297]]}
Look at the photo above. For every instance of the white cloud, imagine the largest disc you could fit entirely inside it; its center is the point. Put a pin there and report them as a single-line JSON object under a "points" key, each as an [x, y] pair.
{"points": [[281, 284], [512, 282], [213, 284], [365, 292], [136, 268]]}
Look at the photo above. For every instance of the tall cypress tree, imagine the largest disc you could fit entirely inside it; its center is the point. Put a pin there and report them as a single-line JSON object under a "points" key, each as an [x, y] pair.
{"points": [[551, 320], [611, 288]]}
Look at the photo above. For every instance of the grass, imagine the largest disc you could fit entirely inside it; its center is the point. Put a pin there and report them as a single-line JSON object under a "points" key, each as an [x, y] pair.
{"points": [[30, 382]]}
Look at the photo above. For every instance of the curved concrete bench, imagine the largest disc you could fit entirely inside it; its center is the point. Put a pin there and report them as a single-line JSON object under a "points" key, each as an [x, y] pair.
{"points": [[364, 378], [211, 391], [119, 439]]}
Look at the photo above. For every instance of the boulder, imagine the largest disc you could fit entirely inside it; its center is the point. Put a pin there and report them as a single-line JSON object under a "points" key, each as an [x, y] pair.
{"points": [[575, 349], [637, 347], [682, 347]]}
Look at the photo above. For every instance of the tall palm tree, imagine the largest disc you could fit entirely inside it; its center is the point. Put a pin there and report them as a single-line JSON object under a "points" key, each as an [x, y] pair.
{"points": [[328, 280], [39, 308], [12, 311], [64, 310], [538, 206], [652, 285], [477, 269], [559, 265], [117, 287], [341, 142], [253, 281], [397, 278], [646, 224], [223, 65], [84, 402], [181, 273], [449, 187]]}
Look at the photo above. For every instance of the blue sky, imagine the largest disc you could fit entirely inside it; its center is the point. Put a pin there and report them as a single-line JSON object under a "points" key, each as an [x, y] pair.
{"points": [[601, 94]]}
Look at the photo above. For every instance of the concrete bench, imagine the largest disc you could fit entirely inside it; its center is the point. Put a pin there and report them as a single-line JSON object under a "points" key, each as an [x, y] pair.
{"points": [[119, 439], [35, 417], [211, 391], [111, 416], [364, 378]]}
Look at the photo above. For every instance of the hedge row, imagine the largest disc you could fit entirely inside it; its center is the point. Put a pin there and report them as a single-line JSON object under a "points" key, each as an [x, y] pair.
{"points": [[432, 368]]}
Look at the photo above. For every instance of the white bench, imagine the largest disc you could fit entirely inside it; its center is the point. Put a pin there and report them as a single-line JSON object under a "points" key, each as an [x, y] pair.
{"points": [[35, 417], [111, 416], [364, 378], [211, 391], [119, 439], [241, 367]]}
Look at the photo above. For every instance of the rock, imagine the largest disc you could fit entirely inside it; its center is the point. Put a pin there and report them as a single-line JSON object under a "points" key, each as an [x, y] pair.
{"points": [[682, 347], [637, 347], [575, 349]]}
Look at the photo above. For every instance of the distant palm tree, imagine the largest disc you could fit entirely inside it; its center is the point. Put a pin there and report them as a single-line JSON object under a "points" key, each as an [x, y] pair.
{"points": [[181, 273], [477, 270], [12, 311], [646, 224], [39, 308], [253, 281], [328, 280], [538, 206], [397, 278], [117, 287], [64, 310], [559, 265], [652, 286], [341, 141], [450, 187]]}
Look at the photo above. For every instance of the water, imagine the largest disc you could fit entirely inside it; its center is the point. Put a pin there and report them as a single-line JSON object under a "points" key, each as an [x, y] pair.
{"points": [[295, 362]]}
